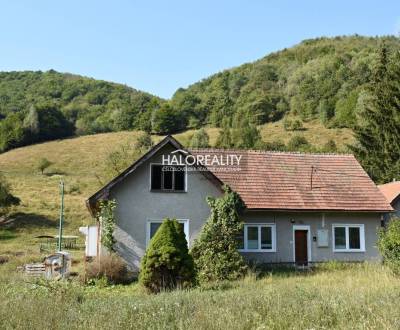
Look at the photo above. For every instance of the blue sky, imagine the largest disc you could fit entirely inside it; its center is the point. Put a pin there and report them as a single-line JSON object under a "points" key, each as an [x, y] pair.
{"points": [[159, 46]]}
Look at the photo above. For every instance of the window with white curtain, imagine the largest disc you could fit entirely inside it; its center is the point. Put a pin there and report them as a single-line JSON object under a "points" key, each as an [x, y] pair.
{"points": [[257, 238]]}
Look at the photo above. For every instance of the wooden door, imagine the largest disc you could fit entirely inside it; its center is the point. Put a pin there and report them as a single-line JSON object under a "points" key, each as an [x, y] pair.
{"points": [[301, 247]]}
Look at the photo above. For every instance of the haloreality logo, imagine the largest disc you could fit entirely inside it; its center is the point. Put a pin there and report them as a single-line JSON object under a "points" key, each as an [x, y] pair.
{"points": [[212, 161]]}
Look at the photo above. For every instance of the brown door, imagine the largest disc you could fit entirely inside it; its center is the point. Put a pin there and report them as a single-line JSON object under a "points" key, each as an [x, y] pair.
{"points": [[300, 247]]}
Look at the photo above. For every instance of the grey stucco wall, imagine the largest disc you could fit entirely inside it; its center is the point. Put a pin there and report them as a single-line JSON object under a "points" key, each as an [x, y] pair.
{"points": [[136, 205], [316, 220], [396, 214], [396, 206]]}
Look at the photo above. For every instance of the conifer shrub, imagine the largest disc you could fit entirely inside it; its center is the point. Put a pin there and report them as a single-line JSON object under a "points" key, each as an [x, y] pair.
{"points": [[167, 263], [215, 252], [389, 245]]}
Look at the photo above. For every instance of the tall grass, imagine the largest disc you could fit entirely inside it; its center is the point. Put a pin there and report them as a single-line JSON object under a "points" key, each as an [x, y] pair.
{"points": [[360, 297]]}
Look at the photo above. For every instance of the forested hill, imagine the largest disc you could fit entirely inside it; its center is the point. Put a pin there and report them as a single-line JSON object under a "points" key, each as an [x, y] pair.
{"points": [[319, 78], [38, 106]]}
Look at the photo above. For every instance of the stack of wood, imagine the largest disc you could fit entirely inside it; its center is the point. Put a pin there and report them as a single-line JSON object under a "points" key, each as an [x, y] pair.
{"points": [[35, 270]]}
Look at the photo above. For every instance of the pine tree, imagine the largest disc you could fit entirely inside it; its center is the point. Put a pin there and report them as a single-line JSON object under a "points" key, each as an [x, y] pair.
{"points": [[378, 130], [215, 252]]}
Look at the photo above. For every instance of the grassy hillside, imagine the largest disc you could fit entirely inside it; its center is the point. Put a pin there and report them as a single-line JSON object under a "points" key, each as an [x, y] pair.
{"points": [[358, 297]]}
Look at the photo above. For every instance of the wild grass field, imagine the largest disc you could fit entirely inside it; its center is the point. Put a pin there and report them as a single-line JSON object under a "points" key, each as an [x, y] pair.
{"points": [[362, 296]]}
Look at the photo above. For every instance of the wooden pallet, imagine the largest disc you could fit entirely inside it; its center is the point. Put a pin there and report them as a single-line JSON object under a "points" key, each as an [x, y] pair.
{"points": [[35, 269]]}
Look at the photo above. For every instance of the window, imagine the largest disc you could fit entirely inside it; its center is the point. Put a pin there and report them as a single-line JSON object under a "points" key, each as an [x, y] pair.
{"points": [[168, 178], [348, 238], [257, 238], [153, 225]]}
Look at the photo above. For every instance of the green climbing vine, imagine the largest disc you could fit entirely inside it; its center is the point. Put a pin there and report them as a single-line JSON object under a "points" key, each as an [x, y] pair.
{"points": [[107, 222]]}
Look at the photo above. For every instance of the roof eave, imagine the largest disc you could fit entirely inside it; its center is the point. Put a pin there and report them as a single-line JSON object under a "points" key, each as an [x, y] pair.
{"points": [[319, 210]]}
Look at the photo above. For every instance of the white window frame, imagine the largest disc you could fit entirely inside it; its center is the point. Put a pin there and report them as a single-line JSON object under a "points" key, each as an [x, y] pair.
{"points": [[173, 180], [150, 221], [259, 225], [347, 237]]}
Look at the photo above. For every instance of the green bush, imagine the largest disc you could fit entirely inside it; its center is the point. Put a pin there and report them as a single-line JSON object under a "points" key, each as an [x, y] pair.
{"points": [[295, 125], [298, 143], [43, 164], [389, 245], [200, 139], [167, 263], [287, 124], [215, 252], [6, 198]]}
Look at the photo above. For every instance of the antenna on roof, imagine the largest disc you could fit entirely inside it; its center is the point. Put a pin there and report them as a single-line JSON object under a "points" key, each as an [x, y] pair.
{"points": [[311, 177]]}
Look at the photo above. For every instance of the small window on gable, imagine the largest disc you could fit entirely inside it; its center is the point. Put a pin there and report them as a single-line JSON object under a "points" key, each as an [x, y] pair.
{"points": [[156, 172], [168, 178], [179, 178]]}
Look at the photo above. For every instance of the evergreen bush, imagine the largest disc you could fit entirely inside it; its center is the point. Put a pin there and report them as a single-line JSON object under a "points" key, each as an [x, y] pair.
{"points": [[167, 263]]}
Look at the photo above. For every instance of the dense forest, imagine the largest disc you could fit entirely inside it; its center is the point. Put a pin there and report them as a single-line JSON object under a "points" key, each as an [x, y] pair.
{"points": [[322, 78], [40, 106]]}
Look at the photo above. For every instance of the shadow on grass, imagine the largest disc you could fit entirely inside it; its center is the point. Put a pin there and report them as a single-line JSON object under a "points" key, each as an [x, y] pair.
{"points": [[6, 234], [53, 172], [289, 270], [30, 220]]}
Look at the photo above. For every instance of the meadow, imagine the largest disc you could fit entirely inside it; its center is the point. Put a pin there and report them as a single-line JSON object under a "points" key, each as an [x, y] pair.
{"points": [[361, 296]]}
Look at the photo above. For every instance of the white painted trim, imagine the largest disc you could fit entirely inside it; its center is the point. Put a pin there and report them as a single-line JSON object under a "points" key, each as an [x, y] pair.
{"points": [[273, 238], [173, 179], [302, 227], [347, 226], [185, 228]]}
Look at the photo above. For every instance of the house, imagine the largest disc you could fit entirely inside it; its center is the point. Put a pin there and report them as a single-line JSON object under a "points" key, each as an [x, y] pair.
{"points": [[392, 193], [300, 208]]}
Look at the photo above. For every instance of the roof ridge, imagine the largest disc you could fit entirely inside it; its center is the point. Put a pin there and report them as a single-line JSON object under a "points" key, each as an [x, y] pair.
{"points": [[274, 152], [389, 183]]}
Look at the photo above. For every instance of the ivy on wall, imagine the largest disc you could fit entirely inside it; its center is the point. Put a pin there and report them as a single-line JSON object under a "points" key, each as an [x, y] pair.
{"points": [[107, 223]]}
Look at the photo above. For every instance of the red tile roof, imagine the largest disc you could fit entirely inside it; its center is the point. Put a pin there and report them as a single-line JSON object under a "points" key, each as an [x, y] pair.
{"points": [[390, 190], [295, 181]]}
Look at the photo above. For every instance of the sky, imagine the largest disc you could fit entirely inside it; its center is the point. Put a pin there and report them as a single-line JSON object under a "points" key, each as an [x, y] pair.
{"points": [[160, 46]]}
